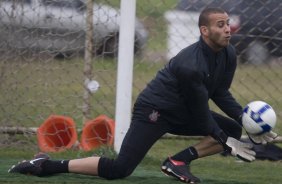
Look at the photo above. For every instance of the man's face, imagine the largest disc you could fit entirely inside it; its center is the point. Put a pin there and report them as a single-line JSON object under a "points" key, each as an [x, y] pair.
{"points": [[218, 34]]}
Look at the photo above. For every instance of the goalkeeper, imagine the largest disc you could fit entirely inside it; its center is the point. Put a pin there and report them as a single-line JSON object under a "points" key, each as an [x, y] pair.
{"points": [[176, 102]]}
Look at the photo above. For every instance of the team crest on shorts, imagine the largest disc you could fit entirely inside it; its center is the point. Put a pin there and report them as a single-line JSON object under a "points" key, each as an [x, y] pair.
{"points": [[154, 116]]}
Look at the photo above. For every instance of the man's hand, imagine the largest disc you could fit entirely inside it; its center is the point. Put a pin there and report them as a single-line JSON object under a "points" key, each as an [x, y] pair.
{"points": [[240, 149], [236, 148], [263, 138]]}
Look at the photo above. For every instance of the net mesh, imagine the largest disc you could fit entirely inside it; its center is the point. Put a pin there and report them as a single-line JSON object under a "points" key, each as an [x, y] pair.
{"points": [[42, 56]]}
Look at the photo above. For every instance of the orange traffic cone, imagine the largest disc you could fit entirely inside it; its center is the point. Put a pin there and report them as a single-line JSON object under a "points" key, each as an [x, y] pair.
{"points": [[97, 132], [57, 133]]}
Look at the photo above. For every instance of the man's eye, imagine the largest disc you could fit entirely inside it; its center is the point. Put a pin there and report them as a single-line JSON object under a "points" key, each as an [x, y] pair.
{"points": [[220, 25]]}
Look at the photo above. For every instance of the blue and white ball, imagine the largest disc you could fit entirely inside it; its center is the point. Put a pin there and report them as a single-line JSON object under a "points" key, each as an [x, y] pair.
{"points": [[258, 117]]}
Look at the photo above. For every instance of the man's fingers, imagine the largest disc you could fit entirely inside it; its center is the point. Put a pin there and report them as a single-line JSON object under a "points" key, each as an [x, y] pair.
{"points": [[246, 157], [250, 152], [268, 138], [256, 139], [272, 134]]}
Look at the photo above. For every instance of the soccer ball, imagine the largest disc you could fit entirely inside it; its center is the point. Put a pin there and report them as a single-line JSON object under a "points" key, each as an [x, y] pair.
{"points": [[258, 117]]}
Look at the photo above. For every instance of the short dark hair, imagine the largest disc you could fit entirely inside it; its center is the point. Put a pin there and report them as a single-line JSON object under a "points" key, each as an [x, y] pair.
{"points": [[204, 16]]}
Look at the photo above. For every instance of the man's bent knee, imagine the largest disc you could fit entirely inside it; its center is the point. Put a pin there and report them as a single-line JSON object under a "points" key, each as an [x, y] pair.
{"points": [[111, 169]]}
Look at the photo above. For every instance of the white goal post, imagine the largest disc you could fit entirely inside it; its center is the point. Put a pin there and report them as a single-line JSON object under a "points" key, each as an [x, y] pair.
{"points": [[125, 71]]}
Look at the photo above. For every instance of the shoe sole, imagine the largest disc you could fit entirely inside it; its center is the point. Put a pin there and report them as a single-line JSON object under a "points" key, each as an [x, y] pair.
{"points": [[167, 171]]}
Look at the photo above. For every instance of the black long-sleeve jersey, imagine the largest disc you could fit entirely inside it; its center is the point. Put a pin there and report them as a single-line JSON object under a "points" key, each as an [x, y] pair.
{"points": [[184, 86]]}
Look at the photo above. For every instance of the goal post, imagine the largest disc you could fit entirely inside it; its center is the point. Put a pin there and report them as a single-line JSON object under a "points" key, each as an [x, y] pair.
{"points": [[125, 71]]}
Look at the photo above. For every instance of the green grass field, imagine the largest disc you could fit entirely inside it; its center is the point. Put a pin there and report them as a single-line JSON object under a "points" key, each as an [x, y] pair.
{"points": [[212, 170]]}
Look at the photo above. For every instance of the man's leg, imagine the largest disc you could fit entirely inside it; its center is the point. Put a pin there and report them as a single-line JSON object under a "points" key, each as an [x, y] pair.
{"points": [[144, 131], [88, 166], [136, 144], [178, 165], [142, 134], [208, 146], [175, 165]]}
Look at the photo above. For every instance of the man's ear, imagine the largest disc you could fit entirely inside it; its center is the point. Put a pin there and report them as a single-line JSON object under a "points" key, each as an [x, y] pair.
{"points": [[204, 30]]}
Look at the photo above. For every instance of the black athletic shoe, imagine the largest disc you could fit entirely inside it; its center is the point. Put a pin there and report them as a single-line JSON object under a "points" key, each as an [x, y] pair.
{"points": [[179, 170], [30, 167]]}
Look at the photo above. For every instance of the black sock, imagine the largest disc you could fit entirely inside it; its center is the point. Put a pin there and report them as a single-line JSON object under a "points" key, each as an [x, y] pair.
{"points": [[186, 155], [55, 166]]}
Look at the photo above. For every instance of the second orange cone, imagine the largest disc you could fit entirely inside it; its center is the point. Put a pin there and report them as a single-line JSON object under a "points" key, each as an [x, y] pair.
{"points": [[97, 132]]}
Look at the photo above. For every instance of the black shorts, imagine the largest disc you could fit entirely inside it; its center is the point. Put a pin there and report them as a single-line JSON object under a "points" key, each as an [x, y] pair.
{"points": [[147, 126]]}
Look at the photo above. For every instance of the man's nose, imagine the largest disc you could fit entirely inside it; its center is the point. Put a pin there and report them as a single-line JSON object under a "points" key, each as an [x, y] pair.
{"points": [[227, 28]]}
